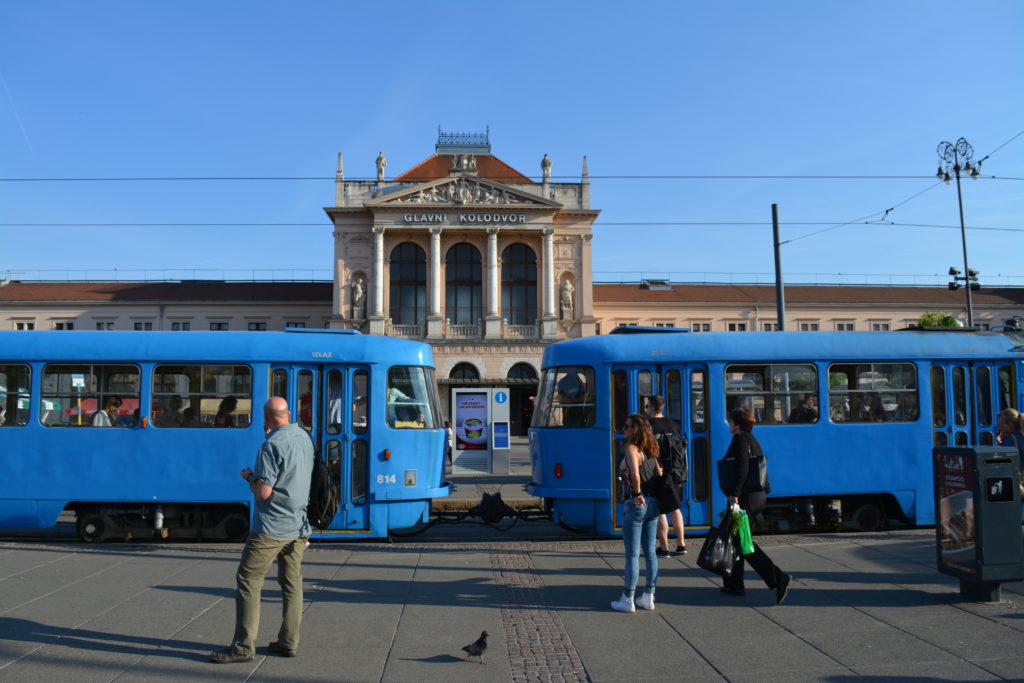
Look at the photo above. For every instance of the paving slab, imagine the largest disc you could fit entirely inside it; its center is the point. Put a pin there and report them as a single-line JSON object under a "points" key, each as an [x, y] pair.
{"points": [[868, 605]]}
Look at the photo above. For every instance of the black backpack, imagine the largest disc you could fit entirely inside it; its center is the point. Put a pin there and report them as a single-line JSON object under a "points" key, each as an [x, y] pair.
{"points": [[672, 447], [323, 495]]}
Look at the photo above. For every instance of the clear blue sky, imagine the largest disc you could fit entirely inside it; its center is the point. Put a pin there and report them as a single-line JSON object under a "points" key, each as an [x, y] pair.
{"points": [[232, 88]]}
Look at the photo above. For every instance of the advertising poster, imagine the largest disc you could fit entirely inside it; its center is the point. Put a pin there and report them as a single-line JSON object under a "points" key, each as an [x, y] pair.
{"points": [[471, 422], [955, 514]]}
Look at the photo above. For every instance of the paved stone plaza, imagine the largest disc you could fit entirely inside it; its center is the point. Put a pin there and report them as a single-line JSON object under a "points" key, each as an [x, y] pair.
{"points": [[861, 605]]}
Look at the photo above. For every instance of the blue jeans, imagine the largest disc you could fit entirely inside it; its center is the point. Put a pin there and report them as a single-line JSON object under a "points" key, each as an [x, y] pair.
{"points": [[640, 530]]}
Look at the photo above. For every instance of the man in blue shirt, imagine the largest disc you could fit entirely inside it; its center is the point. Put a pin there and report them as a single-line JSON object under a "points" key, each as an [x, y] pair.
{"points": [[280, 486]]}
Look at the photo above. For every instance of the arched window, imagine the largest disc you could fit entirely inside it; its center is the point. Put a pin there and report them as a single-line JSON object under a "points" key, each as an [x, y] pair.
{"points": [[464, 371], [519, 285], [464, 289], [408, 284], [522, 371]]}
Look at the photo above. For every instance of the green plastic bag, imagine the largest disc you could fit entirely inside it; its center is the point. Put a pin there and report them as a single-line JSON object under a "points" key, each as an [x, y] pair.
{"points": [[741, 529]]}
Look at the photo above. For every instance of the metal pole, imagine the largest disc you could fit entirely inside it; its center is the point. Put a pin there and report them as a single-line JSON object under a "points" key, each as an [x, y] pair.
{"points": [[780, 297], [963, 239]]}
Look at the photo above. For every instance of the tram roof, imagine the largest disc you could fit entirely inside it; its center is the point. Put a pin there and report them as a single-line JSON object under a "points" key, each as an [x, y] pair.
{"points": [[295, 346], [682, 346]]}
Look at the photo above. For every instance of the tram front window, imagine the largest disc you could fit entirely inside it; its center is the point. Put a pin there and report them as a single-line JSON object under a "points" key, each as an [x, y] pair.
{"points": [[566, 398], [410, 398]]}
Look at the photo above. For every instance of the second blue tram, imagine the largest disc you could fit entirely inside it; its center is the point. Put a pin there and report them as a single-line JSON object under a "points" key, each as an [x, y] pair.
{"points": [[143, 434], [847, 420]]}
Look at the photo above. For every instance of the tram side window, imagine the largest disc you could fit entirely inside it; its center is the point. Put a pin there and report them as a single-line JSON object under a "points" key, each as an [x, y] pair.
{"points": [[335, 394], [873, 392], [279, 383], [674, 398], [360, 400], [983, 379], [1006, 393], [15, 381], [202, 396], [644, 388], [776, 394], [938, 399], [698, 401], [410, 398], [87, 395], [566, 398]]}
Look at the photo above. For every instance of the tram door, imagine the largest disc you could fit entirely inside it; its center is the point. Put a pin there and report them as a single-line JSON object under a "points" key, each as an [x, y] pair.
{"points": [[966, 400], [346, 443], [317, 397], [683, 388]]}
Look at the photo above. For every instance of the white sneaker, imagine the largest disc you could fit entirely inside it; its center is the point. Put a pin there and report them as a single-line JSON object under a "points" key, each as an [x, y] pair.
{"points": [[624, 604], [645, 601]]}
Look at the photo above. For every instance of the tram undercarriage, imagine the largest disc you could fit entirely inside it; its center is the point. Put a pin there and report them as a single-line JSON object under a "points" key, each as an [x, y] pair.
{"points": [[863, 512], [95, 522]]}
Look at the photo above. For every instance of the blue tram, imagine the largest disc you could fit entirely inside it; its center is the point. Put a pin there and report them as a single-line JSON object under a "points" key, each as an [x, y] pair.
{"points": [[143, 434], [847, 420]]}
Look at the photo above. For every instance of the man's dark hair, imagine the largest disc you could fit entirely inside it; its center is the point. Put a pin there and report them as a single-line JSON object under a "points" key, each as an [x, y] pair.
{"points": [[656, 402]]}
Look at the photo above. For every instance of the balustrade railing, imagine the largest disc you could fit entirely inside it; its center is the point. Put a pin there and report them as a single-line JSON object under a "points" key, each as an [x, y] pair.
{"points": [[408, 331], [520, 331], [462, 331]]}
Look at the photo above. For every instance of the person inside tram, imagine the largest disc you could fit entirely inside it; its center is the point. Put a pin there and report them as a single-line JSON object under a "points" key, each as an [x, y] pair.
{"points": [[909, 409], [189, 418], [871, 409], [573, 398], [805, 410], [108, 416], [172, 417], [224, 417]]}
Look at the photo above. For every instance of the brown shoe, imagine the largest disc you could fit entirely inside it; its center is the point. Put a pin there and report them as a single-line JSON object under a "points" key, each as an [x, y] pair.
{"points": [[229, 656], [279, 649]]}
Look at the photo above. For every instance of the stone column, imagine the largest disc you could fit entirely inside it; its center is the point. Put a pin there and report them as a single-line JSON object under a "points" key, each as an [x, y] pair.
{"points": [[492, 321], [341, 287], [377, 312], [549, 321], [585, 287], [435, 328]]}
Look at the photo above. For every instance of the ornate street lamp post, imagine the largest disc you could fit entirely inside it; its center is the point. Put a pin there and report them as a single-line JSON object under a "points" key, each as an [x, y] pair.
{"points": [[957, 157]]}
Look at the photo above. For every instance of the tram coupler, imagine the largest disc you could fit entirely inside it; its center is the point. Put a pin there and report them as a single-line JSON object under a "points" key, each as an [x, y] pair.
{"points": [[491, 508]]}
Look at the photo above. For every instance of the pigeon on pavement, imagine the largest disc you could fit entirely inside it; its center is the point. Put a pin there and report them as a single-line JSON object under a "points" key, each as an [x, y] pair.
{"points": [[477, 648]]}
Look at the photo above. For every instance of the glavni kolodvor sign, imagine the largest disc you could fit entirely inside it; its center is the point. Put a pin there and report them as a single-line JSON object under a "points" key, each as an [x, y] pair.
{"points": [[466, 218]]}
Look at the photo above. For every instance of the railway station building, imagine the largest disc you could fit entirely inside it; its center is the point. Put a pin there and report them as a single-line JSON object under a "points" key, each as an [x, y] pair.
{"points": [[486, 264]]}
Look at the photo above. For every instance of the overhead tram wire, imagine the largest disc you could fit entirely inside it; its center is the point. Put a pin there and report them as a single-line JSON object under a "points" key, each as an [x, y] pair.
{"points": [[886, 212], [601, 224], [571, 178]]}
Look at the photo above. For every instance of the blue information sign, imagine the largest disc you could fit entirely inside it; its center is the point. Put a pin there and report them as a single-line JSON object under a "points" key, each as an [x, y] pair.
{"points": [[500, 434], [500, 397]]}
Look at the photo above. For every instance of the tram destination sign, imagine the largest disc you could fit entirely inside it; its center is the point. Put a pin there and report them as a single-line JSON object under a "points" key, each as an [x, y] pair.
{"points": [[466, 218]]}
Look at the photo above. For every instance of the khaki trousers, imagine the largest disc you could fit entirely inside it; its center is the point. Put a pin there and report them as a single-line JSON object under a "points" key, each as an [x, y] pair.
{"points": [[259, 553]]}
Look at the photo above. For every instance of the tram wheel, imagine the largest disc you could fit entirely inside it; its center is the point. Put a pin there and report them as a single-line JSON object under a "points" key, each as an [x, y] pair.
{"points": [[90, 527], [236, 527], [868, 517]]}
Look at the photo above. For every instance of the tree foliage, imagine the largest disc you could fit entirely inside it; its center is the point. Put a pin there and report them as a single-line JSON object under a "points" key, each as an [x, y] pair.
{"points": [[938, 319]]}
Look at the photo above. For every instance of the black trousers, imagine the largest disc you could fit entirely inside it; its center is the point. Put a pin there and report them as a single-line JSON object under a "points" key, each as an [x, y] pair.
{"points": [[761, 563]]}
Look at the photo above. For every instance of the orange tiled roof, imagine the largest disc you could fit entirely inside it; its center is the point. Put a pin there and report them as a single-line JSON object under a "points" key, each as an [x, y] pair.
{"points": [[803, 294], [437, 166], [316, 292]]}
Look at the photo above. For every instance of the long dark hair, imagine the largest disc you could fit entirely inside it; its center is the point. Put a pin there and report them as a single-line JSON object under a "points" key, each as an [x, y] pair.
{"points": [[643, 435], [742, 418]]}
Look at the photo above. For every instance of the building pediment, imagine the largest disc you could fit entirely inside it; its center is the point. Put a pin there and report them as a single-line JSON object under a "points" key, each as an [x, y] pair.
{"points": [[462, 191]]}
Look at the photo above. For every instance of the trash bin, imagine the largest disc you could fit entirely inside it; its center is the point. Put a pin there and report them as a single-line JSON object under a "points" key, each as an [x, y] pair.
{"points": [[978, 518]]}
